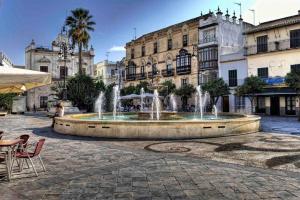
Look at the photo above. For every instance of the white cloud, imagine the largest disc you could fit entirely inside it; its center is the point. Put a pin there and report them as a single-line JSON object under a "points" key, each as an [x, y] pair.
{"points": [[117, 48], [266, 10]]}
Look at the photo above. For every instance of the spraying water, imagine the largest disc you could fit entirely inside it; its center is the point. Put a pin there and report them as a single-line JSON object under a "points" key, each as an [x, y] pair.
{"points": [[155, 108], [116, 102], [173, 103], [142, 99], [200, 100], [215, 111], [99, 104]]}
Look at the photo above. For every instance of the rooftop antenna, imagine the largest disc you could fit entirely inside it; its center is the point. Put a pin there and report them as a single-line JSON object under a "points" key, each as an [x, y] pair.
{"points": [[107, 55], [253, 12], [239, 4], [134, 33]]}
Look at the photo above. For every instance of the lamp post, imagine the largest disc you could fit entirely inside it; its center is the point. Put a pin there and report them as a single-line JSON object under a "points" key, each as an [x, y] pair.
{"points": [[65, 49], [195, 55]]}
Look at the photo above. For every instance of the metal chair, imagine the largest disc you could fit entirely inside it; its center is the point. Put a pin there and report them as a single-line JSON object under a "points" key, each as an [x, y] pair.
{"points": [[30, 155]]}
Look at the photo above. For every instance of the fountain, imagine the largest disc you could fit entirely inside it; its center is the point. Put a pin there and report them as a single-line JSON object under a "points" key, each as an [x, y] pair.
{"points": [[200, 100], [99, 104], [173, 103], [157, 124], [155, 108], [142, 99], [215, 111], [116, 100]]}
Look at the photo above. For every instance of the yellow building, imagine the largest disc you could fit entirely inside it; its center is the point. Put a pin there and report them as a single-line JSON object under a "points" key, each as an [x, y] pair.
{"points": [[166, 53], [273, 50]]}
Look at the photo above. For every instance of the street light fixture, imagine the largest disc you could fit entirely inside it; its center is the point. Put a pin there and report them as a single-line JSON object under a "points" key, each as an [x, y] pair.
{"points": [[65, 50]]}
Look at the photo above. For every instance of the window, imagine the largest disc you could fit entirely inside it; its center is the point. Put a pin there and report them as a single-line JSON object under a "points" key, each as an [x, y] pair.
{"points": [[169, 67], [295, 38], [170, 45], [184, 40], [183, 59], [263, 72], [261, 105], [112, 72], [142, 70], [183, 82], [63, 72], [44, 68], [132, 53], [239, 102], [295, 68], [208, 57], [262, 44], [143, 50], [155, 47], [154, 68], [43, 101], [232, 76], [290, 105], [209, 36]]}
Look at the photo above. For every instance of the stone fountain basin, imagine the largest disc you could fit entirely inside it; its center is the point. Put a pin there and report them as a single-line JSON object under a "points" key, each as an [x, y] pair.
{"points": [[154, 129]]}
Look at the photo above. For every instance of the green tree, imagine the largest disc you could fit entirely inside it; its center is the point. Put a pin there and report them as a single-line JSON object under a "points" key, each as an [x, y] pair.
{"points": [[185, 92], [100, 86], [128, 90], [142, 84], [81, 91], [292, 79], [251, 86], [58, 90], [168, 87], [80, 23], [6, 101], [216, 89]]}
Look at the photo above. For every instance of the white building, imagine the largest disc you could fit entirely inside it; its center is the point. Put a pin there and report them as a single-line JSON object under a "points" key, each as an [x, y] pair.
{"points": [[46, 59], [221, 42], [234, 69], [110, 72]]}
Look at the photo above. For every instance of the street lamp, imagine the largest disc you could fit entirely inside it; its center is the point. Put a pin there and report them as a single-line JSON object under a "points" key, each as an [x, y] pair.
{"points": [[65, 49], [195, 55]]}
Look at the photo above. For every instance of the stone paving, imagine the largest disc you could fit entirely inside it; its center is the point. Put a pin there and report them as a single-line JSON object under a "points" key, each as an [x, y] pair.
{"points": [[93, 168]]}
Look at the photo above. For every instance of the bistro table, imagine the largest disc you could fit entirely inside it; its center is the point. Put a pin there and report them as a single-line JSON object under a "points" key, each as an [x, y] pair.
{"points": [[7, 146]]}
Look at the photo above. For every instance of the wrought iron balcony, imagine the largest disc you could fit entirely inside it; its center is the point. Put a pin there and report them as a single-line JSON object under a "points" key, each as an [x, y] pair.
{"points": [[183, 70], [130, 77], [211, 64], [153, 74], [141, 76], [208, 39], [167, 72], [274, 46]]}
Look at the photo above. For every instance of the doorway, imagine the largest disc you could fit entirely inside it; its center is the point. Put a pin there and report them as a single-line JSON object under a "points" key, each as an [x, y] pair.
{"points": [[275, 106], [225, 103]]}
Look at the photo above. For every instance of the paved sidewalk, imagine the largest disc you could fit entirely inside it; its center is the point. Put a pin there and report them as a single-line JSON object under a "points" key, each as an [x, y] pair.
{"points": [[92, 168], [285, 125]]}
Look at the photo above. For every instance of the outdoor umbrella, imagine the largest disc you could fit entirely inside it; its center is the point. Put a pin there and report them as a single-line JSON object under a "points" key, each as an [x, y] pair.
{"points": [[130, 96], [14, 80]]}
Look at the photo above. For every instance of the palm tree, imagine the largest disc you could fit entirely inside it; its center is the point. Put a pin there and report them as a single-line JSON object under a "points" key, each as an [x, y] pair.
{"points": [[80, 24]]}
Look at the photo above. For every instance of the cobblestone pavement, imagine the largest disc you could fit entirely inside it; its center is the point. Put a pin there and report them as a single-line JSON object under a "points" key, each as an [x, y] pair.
{"points": [[93, 168], [278, 124]]}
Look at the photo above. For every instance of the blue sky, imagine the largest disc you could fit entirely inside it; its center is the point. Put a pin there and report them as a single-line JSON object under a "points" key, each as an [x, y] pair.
{"points": [[41, 20]]}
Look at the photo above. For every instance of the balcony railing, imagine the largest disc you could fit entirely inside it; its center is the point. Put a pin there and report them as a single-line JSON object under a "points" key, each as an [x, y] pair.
{"points": [[183, 70], [208, 39], [167, 72], [141, 76], [274, 46], [212, 64], [153, 74], [130, 77]]}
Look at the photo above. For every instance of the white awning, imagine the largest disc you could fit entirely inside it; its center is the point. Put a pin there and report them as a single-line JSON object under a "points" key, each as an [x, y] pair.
{"points": [[14, 80]]}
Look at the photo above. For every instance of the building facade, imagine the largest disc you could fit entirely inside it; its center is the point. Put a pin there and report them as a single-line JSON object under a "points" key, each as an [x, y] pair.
{"points": [[166, 54], [5, 61], [110, 72], [273, 50], [47, 59]]}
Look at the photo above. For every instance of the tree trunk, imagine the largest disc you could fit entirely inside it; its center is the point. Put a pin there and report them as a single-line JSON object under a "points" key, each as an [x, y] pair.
{"points": [[80, 58], [251, 101]]}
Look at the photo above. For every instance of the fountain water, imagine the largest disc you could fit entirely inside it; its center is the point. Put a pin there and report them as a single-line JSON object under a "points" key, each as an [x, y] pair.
{"points": [[215, 111], [116, 102], [99, 104], [142, 99], [173, 103], [155, 105], [200, 100]]}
